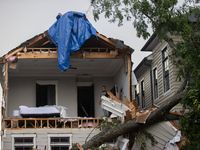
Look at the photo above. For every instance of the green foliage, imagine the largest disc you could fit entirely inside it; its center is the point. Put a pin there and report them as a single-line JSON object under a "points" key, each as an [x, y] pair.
{"points": [[143, 136], [107, 122], [166, 19]]}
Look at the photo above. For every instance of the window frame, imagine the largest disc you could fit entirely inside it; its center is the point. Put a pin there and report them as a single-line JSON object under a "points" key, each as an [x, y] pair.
{"points": [[143, 103], [165, 48], [59, 135], [153, 79], [13, 136], [50, 82]]}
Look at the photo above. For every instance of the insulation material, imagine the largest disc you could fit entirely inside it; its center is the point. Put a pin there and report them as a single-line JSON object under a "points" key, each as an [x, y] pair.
{"points": [[11, 58]]}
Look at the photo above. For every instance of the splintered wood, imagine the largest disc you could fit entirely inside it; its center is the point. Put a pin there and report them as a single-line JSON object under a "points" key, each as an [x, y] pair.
{"points": [[115, 98], [135, 112]]}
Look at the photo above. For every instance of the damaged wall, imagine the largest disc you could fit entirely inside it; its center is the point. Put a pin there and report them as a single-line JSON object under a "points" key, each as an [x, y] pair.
{"points": [[98, 83], [121, 80], [22, 91]]}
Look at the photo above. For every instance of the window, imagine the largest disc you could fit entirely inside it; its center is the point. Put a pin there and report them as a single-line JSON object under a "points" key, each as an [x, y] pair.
{"points": [[46, 92], [165, 64], [137, 94], [23, 142], [59, 141], [142, 94], [155, 83]]}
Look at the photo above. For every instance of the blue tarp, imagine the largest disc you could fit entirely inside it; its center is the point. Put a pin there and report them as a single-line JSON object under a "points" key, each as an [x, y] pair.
{"points": [[69, 33]]}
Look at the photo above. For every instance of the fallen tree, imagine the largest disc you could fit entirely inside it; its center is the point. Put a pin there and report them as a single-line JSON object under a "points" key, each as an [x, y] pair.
{"points": [[165, 18], [159, 114]]}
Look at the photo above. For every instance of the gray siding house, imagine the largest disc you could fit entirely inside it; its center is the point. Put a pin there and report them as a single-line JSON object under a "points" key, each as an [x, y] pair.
{"points": [[157, 82], [156, 75], [31, 78]]}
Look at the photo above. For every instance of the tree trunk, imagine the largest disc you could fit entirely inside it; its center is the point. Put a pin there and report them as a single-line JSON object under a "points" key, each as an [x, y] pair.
{"points": [[158, 115]]}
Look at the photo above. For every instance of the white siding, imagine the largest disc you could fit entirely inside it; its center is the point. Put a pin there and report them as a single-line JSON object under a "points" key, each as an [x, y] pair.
{"points": [[174, 84], [78, 136], [157, 61]]}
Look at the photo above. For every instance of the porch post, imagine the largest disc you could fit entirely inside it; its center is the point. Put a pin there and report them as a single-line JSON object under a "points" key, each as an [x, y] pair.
{"points": [[1, 92]]}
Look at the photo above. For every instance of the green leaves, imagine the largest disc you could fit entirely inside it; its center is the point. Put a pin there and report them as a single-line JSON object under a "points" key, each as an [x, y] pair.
{"points": [[170, 22]]}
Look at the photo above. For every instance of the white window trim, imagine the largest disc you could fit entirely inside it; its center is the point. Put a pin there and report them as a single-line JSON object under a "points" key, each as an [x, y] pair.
{"points": [[23, 135], [165, 92], [154, 100], [52, 82], [59, 135]]}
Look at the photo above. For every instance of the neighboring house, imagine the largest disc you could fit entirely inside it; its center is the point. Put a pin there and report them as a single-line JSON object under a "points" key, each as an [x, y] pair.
{"points": [[156, 75], [37, 81], [157, 82]]}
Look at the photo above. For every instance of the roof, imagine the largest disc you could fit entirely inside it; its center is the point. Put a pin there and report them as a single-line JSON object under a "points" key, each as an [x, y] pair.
{"points": [[42, 41], [143, 65], [151, 43]]}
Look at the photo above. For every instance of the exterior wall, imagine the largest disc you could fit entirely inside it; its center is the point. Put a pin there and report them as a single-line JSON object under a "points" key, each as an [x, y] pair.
{"points": [[162, 133], [174, 84], [147, 88], [22, 91], [98, 83], [78, 136], [121, 80]]}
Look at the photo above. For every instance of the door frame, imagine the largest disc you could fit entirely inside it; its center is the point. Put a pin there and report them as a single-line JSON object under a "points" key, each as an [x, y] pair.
{"points": [[85, 84], [50, 82]]}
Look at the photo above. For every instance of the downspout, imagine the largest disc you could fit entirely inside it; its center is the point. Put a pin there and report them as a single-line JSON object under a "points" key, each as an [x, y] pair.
{"points": [[150, 79]]}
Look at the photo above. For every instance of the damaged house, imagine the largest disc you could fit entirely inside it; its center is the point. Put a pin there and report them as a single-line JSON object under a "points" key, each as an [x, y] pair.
{"points": [[32, 79]]}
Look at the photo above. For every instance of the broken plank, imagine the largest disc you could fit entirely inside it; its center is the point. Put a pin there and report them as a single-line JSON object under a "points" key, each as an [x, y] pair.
{"points": [[14, 52], [128, 116], [129, 78], [115, 98], [126, 100]]}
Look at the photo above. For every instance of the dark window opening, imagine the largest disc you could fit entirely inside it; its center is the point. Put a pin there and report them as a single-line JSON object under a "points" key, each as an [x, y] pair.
{"points": [[155, 83], [137, 97], [142, 94], [45, 95], [165, 64], [85, 96]]}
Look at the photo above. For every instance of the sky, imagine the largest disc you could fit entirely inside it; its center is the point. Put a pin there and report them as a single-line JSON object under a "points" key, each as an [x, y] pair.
{"points": [[21, 20]]}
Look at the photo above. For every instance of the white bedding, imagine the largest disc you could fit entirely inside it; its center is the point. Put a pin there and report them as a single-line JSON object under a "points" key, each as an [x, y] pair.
{"points": [[38, 110], [43, 111]]}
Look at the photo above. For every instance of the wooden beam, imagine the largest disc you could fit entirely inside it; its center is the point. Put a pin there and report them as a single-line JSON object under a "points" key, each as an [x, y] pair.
{"points": [[36, 55], [45, 43], [129, 77], [32, 42], [5, 88], [106, 39], [86, 55], [125, 64], [14, 52], [108, 42]]}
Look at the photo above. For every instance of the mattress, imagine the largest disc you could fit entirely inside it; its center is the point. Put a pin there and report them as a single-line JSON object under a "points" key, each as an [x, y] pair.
{"points": [[39, 112]]}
